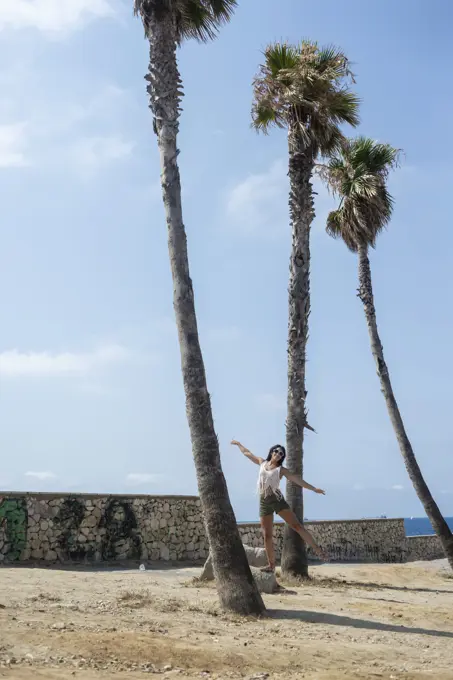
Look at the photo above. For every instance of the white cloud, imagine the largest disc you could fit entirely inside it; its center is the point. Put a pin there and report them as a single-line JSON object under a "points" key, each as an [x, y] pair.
{"points": [[12, 141], [16, 364], [42, 476], [259, 203], [52, 16], [92, 153], [108, 106], [81, 129], [271, 402], [139, 478], [259, 199], [397, 487]]}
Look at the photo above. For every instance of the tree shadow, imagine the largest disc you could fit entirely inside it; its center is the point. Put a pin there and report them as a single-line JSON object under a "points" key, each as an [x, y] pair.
{"points": [[369, 585], [349, 622]]}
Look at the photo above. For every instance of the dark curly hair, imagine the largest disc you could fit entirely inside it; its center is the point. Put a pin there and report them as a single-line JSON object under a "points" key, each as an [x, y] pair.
{"points": [[273, 449]]}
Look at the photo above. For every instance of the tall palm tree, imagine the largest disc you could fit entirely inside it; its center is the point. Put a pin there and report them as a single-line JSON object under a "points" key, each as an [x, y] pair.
{"points": [[304, 89], [167, 24], [357, 174]]}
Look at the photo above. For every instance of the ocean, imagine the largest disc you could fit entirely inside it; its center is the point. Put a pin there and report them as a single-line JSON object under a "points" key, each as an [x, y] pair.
{"points": [[421, 526], [415, 526]]}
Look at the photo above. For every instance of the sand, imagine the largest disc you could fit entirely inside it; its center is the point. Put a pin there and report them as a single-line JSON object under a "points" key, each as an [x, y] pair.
{"points": [[372, 621]]}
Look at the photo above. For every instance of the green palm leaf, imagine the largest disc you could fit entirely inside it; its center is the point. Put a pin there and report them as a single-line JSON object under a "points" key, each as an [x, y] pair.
{"points": [[307, 87], [357, 173], [199, 19]]}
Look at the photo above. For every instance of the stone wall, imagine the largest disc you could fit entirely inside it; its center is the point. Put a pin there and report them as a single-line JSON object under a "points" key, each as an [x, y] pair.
{"points": [[62, 527], [94, 528], [365, 540], [423, 548], [371, 540]]}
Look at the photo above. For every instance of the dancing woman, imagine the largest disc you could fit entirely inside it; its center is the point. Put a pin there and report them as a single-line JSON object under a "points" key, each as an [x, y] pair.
{"points": [[272, 500]]}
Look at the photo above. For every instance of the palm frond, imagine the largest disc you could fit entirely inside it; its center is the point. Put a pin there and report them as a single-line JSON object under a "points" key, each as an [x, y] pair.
{"points": [[198, 19], [344, 107], [306, 86], [334, 223], [202, 19], [264, 117], [332, 58], [377, 156], [280, 57], [357, 173]]}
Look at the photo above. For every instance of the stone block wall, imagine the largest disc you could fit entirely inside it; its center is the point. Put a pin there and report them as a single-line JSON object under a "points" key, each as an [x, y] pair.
{"points": [[94, 528], [423, 548], [62, 527], [370, 540]]}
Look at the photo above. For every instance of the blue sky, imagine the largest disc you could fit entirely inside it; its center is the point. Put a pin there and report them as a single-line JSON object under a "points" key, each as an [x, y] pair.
{"points": [[90, 390]]}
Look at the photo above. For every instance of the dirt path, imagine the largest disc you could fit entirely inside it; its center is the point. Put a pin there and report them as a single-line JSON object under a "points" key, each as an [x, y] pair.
{"points": [[361, 622]]}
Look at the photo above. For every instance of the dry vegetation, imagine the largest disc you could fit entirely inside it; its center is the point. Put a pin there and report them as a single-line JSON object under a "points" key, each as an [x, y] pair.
{"points": [[364, 622]]}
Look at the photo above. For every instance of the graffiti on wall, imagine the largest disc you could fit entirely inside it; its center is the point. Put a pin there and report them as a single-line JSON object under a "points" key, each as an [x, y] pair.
{"points": [[121, 532], [77, 534], [69, 518], [120, 538], [13, 526]]}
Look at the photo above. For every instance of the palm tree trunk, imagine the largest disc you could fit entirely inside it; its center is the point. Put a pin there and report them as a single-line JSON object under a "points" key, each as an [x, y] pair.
{"points": [[236, 586], [365, 293], [294, 556]]}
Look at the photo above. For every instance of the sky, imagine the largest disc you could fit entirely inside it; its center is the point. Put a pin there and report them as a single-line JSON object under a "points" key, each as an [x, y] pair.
{"points": [[91, 395]]}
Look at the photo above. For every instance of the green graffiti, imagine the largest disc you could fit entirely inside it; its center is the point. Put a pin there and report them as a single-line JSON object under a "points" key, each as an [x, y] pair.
{"points": [[14, 521]]}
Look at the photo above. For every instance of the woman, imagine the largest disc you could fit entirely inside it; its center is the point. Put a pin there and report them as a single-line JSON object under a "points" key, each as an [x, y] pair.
{"points": [[272, 500]]}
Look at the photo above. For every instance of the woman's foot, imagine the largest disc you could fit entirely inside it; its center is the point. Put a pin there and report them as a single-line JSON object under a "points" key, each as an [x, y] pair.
{"points": [[269, 569], [323, 556]]}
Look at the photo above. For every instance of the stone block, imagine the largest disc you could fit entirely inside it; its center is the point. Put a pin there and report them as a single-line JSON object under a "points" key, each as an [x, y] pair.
{"points": [[266, 581], [256, 558]]}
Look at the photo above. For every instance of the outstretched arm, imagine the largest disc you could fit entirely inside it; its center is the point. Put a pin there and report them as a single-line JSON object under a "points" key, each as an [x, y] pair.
{"points": [[300, 482], [248, 454]]}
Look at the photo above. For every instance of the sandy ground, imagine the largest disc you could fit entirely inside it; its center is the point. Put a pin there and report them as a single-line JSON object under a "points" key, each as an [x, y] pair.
{"points": [[373, 621]]}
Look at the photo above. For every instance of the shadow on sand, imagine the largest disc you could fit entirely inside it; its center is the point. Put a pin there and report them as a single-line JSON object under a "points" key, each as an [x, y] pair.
{"points": [[348, 622], [329, 582]]}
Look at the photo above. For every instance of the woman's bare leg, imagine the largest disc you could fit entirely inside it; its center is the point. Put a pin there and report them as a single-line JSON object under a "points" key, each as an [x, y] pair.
{"points": [[267, 525], [291, 519]]}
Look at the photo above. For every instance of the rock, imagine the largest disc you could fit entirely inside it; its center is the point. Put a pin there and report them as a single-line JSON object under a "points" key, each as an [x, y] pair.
{"points": [[59, 626], [50, 556], [164, 553], [256, 558], [91, 521], [266, 581]]}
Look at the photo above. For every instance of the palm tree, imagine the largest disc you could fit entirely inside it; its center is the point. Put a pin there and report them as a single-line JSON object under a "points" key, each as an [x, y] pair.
{"points": [[167, 24], [304, 89], [357, 174]]}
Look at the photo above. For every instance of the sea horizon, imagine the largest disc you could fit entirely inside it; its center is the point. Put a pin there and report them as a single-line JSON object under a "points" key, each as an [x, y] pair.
{"points": [[415, 526]]}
